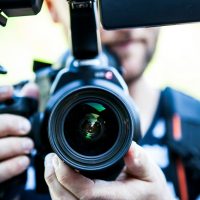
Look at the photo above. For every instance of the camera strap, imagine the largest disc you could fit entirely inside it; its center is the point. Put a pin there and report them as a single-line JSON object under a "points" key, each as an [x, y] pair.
{"points": [[183, 137]]}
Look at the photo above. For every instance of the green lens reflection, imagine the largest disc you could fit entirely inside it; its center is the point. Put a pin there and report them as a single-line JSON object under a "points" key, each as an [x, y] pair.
{"points": [[91, 126], [97, 106]]}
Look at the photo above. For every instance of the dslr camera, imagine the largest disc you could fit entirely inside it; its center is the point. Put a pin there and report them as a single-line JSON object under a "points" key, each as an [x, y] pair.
{"points": [[90, 120]]}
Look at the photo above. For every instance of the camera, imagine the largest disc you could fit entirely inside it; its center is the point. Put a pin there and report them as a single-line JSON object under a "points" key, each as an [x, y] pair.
{"points": [[119, 14], [14, 8], [89, 120]]}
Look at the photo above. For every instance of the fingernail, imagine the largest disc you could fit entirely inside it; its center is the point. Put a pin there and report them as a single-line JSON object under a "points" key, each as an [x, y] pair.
{"points": [[27, 145], [55, 162], [25, 126], [135, 151], [24, 162], [137, 161], [48, 160]]}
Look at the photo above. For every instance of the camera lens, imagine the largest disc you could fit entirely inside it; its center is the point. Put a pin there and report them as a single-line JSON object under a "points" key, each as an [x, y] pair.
{"points": [[91, 128]]}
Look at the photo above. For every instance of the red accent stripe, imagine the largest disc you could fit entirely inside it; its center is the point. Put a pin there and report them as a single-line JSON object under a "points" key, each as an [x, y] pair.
{"points": [[177, 127], [177, 134], [182, 180]]}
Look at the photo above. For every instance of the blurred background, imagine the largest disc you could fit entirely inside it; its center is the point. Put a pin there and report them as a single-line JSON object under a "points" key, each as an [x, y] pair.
{"points": [[176, 62]]}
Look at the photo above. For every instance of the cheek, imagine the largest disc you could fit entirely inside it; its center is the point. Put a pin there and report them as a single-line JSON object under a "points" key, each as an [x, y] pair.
{"points": [[106, 36], [139, 53]]}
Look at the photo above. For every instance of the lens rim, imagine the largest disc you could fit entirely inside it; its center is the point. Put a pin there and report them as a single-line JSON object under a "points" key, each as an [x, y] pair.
{"points": [[125, 119]]}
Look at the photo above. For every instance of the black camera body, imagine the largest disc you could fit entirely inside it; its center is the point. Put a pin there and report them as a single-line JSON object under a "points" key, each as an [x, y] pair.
{"points": [[90, 117], [89, 121]]}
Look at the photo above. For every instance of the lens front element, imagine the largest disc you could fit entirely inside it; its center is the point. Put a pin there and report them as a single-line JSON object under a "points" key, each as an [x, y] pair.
{"points": [[91, 128]]}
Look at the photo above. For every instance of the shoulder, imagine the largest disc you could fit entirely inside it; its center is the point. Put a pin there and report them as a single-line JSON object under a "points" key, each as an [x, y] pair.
{"points": [[187, 146], [178, 102]]}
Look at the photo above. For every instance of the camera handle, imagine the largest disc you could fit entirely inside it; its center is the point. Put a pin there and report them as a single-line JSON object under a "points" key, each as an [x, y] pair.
{"points": [[85, 36]]}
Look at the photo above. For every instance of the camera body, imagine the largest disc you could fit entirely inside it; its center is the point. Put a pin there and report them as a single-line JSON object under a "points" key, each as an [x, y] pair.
{"points": [[90, 119]]}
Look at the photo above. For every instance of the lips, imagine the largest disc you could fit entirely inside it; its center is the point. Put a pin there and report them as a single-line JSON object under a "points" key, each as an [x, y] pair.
{"points": [[126, 43]]}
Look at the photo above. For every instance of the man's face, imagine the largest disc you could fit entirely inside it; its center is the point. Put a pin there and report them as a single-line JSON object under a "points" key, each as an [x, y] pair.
{"points": [[134, 48]]}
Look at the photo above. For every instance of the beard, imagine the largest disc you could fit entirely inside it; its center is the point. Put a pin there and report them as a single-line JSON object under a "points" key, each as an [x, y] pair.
{"points": [[130, 76], [133, 56]]}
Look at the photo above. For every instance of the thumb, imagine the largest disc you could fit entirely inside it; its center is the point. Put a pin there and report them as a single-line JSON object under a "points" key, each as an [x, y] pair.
{"points": [[30, 90], [138, 164], [6, 92]]}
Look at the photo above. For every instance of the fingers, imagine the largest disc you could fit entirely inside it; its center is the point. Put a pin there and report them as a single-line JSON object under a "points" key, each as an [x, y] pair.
{"points": [[139, 165], [60, 192], [60, 175], [13, 125], [84, 188], [30, 90], [13, 146], [13, 167], [6, 92], [73, 181], [62, 180]]}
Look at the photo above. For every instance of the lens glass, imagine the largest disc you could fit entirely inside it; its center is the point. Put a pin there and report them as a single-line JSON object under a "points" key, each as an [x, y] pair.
{"points": [[91, 128]]}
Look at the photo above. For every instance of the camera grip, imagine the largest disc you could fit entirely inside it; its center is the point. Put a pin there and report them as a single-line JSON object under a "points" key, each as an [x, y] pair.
{"points": [[23, 106], [26, 107]]}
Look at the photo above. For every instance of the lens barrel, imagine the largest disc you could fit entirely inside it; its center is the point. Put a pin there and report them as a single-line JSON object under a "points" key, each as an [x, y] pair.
{"points": [[91, 127]]}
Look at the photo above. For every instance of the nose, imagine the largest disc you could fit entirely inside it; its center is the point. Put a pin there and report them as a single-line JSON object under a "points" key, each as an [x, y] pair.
{"points": [[125, 33]]}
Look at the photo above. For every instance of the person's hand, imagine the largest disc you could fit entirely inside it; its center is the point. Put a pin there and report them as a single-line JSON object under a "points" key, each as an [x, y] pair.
{"points": [[140, 179], [13, 147]]}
